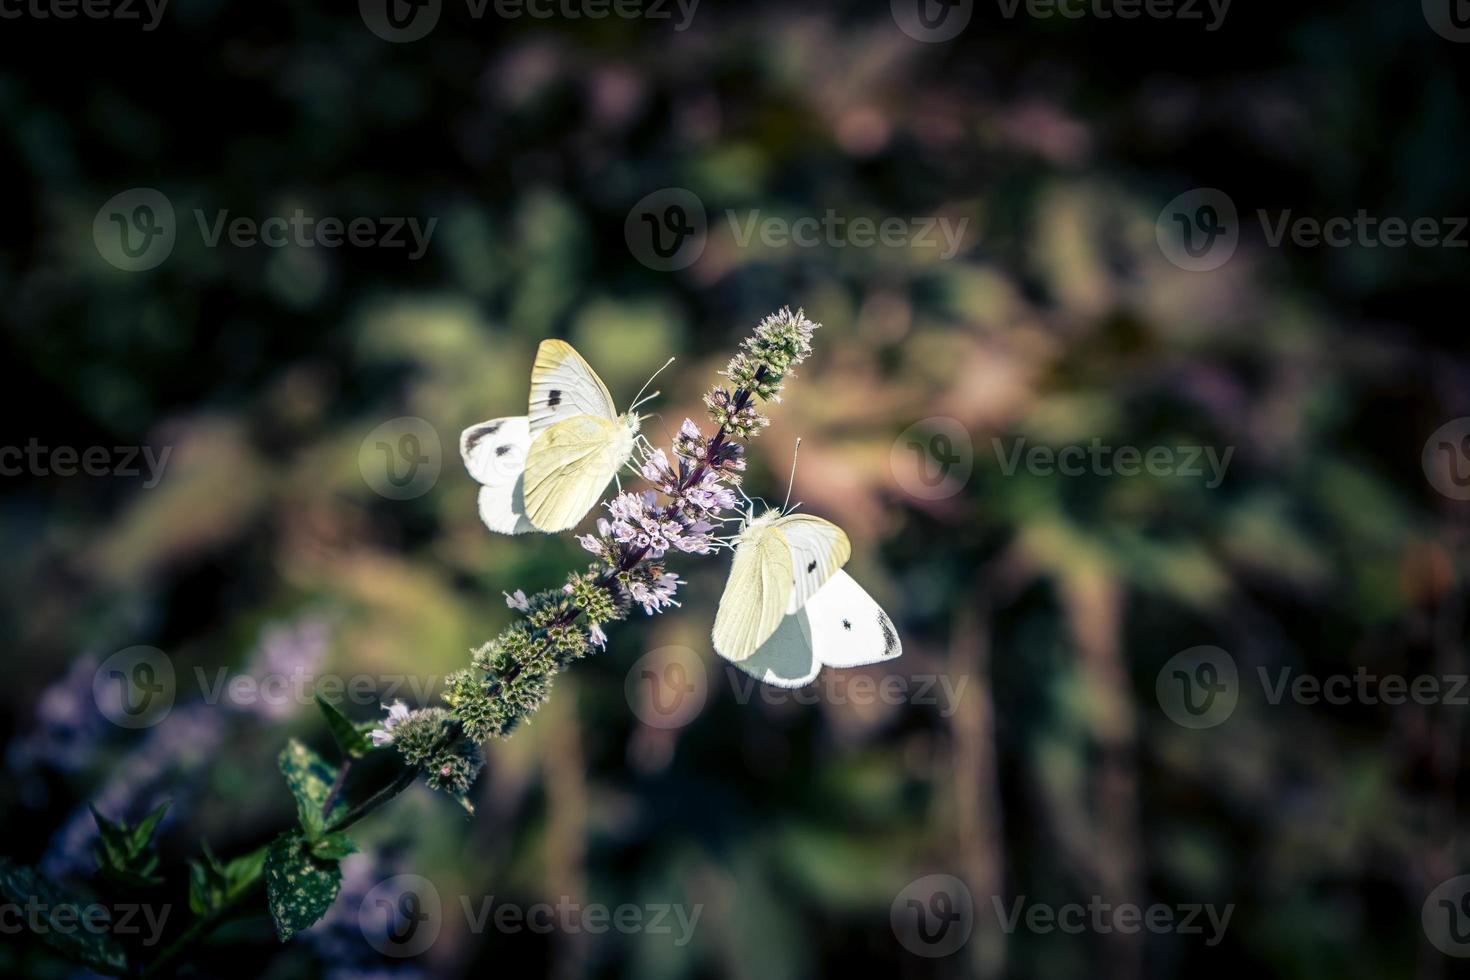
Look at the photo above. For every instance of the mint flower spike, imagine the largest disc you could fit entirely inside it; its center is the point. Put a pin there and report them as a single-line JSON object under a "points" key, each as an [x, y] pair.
{"points": [[692, 485]]}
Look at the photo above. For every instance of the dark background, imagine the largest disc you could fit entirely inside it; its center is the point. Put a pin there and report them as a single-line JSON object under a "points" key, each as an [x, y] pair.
{"points": [[1060, 599]]}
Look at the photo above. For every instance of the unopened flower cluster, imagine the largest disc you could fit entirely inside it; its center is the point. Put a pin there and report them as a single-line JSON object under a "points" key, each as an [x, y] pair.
{"points": [[692, 485]]}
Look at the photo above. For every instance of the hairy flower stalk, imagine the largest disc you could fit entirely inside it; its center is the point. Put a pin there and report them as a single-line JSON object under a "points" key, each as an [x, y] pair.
{"points": [[692, 484]]}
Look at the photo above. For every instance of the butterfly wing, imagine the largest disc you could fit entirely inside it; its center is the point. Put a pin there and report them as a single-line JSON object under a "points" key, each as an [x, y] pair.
{"points": [[847, 628], [494, 452], [563, 386], [786, 659], [755, 596], [568, 467], [818, 549], [839, 626]]}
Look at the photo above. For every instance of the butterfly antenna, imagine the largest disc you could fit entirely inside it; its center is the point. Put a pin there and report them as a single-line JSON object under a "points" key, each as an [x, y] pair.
{"points": [[638, 399], [792, 482]]}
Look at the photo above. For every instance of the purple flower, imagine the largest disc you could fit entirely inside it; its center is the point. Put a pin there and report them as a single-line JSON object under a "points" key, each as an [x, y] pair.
{"points": [[397, 711], [638, 522], [517, 601], [660, 472], [696, 539], [599, 638], [709, 495], [656, 594]]}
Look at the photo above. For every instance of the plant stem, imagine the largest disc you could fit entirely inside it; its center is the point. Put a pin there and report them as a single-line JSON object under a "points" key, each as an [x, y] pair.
{"points": [[402, 782], [201, 928], [207, 924], [337, 785]]}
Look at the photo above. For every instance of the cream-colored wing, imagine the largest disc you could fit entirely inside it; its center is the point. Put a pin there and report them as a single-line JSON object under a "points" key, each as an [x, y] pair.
{"points": [[818, 549], [568, 467], [756, 595], [563, 386]]}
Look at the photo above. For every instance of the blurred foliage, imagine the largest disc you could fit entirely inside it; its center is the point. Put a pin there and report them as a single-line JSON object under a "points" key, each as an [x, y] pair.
{"points": [[1058, 599]]}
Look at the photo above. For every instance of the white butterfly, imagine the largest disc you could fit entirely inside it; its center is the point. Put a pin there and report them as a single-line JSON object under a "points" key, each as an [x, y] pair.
{"points": [[545, 470], [788, 608]]}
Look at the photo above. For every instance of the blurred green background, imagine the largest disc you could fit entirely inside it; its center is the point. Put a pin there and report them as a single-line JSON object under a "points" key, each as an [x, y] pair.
{"points": [[1057, 775]]}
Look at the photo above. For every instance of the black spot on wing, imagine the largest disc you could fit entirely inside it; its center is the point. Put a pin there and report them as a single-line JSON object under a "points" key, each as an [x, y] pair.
{"points": [[811, 566], [553, 398], [847, 624], [890, 636], [502, 450], [480, 432]]}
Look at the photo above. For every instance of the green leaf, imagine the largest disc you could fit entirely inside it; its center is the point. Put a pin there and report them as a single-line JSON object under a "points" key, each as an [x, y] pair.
{"points": [[310, 778], [63, 912], [123, 851], [334, 847], [299, 887], [213, 885], [142, 835], [354, 743]]}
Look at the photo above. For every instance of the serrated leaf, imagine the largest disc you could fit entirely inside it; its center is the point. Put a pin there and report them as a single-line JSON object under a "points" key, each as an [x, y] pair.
{"points": [[334, 847], [141, 836], [310, 778], [122, 851], [205, 887], [112, 851], [299, 887], [353, 743], [97, 951]]}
